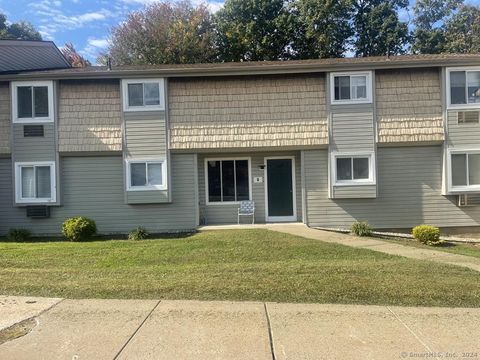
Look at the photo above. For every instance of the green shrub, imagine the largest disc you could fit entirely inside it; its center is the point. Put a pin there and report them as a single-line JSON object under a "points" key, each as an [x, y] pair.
{"points": [[18, 235], [78, 228], [427, 234], [361, 228], [138, 234]]}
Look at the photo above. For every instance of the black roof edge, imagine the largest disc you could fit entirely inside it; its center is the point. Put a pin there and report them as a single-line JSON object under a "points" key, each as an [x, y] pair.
{"points": [[59, 52]]}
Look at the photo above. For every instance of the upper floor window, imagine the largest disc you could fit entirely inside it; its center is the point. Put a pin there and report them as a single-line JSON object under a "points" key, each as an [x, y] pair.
{"points": [[463, 87], [35, 182], [143, 95], [227, 180], [32, 101], [351, 88], [353, 169], [146, 175]]}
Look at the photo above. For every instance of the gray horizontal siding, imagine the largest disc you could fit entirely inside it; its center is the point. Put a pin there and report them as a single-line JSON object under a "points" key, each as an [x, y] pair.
{"points": [[461, 134], [227, 213], [358, 192], [145, 134], [352, 131], [147, 197], [34, 148], [93, 187], [409, 193]]}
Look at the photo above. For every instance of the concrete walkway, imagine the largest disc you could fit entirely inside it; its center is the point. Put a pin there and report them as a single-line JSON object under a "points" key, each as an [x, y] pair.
{"points": [[151, 329], [384, 246]]}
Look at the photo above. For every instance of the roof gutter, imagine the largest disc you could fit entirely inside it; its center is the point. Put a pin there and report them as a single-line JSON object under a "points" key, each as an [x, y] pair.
{"points": [[243, 70]]}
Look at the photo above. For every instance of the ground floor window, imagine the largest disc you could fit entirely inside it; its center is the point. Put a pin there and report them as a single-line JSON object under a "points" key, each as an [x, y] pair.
{"points": [[146, 175], [228, 180], [35, 182], [353, 169], [465, 170]]}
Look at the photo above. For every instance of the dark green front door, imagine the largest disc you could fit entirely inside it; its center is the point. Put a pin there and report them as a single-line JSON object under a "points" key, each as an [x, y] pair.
{"points": [[279, 188]]}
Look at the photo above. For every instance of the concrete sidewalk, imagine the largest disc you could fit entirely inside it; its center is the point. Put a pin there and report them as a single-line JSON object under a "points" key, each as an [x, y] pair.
{"points": [[150, 329], [384, 246]]}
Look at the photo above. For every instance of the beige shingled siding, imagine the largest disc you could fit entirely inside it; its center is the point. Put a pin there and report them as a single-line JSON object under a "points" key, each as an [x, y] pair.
{"points": [[247, 112], [4, 118], [409, 105], [89, 116]]}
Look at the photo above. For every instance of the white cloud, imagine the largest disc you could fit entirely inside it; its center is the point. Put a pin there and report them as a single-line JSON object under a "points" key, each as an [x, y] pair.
{"points": [[98, 43], [53, 19], [94, 47]]}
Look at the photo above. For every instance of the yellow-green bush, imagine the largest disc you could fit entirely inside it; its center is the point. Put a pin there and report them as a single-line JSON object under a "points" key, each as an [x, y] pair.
{"points": [[361, 228], [427, 234], [78, 228], [138, 234]]}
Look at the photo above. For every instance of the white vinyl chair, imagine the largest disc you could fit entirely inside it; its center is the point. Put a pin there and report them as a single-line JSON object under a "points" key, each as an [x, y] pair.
{"points": [[246, 208]]}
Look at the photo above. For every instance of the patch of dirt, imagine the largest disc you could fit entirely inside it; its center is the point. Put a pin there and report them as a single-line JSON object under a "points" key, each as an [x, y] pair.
{"points": [[18, 330]]}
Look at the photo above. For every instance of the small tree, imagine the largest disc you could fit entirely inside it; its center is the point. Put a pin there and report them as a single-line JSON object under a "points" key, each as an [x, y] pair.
{"points": [[21, 30], [73, 57], [164, 33]]}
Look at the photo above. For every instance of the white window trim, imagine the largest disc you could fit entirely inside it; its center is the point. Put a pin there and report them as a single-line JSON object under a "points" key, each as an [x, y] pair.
{"points": [[367, 100], [449, 99], [371, 169], [18, 182], [207, 195], [460, 189], [128, 181], [14, 93], [161, 84]]}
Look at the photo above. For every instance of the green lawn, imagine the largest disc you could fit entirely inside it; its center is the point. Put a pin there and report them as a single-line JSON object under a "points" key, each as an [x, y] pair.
{"points": [[232, 265], [454, 248]]}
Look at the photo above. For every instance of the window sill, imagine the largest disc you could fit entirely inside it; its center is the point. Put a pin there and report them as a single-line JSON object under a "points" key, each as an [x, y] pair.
{"points": [[144, 108], [147, 188], [463, 190], [355, 183], [464, 107], [35, 201], [32, 120], [351, 102], [219, 203]]}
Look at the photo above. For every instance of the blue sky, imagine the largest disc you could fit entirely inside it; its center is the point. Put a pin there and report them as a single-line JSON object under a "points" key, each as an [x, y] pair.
{"points": [[86, 23]]}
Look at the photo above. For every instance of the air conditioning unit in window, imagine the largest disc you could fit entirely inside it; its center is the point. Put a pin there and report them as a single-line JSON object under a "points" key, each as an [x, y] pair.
{"points": [[38, 212], [468, 200], [469, 117]]}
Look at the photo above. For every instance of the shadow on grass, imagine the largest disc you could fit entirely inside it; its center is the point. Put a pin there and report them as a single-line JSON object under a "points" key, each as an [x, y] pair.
{"points": [[112, 237]]}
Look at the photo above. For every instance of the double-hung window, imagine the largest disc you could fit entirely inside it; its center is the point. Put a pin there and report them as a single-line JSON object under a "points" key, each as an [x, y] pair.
{"points": [[35, 182], [227, 180], [32, 101], [351, 88], [146, 175], [464, 170], [353, 169], [463, 87], [143, 95]]}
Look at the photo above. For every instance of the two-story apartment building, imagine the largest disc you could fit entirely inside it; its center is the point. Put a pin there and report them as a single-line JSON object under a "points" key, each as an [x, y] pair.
{"points": [[393, 141]]}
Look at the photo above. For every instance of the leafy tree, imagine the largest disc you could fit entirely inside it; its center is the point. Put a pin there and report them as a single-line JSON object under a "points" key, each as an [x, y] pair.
{"points": [[254, 30], [323, 28], [462, 31], [164, 33], [73, 57], [429, 20], [21, 30], [378, 29]]}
